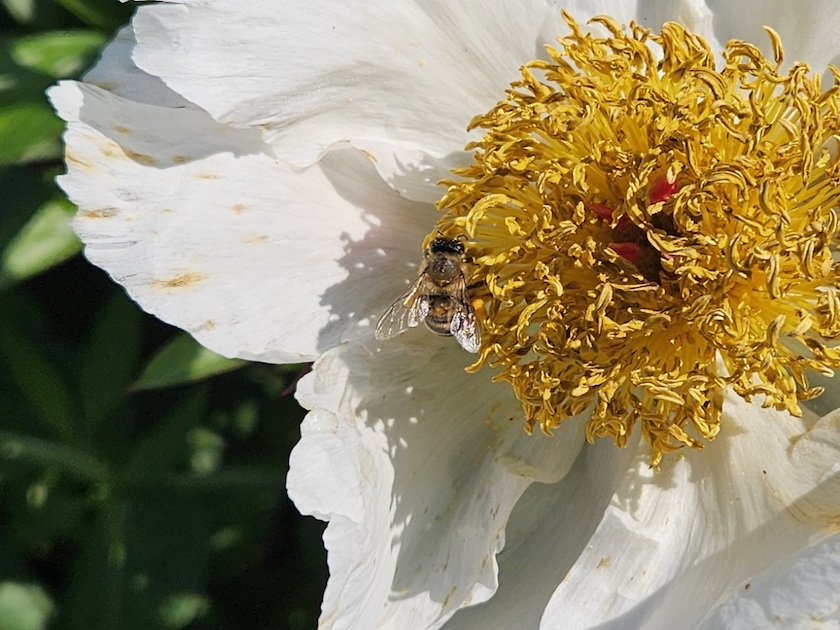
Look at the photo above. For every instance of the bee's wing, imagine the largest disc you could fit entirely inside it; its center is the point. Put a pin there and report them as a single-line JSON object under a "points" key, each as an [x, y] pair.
{"points": [[406, 312], [464, 326]]}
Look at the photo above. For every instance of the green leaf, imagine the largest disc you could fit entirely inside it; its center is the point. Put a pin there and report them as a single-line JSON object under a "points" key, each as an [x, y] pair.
{"points": [[25, 190], [143, 551], [182, 609], [109, 359], [24, 606], [166, 442], [19, 85], [168, 540], [57, 54], [183, 360], [34, 12], [206, 450], [28, 131], [46, 391], [30, 64], [229, 479], [20, 10], [104, 14], [55, 515], [24, 448], [95, 598], [12, 557], [45, 241]]}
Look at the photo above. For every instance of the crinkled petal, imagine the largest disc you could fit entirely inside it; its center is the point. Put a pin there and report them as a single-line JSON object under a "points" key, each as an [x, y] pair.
{"points": [[674, 542], [210, 233], [548, 528], [399, 80], [576, 530], [416, 465], [115, 72]]}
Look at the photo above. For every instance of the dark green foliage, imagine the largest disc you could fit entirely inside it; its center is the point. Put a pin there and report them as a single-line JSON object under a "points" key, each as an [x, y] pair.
{"points": [[137, 492]]}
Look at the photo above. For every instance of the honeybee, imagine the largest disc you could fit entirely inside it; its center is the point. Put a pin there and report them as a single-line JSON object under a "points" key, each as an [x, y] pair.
{"points": [[438, 297]]}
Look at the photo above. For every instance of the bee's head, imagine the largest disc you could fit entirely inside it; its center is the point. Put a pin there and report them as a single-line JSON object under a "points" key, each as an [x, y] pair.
{"points": [[441, 244]]}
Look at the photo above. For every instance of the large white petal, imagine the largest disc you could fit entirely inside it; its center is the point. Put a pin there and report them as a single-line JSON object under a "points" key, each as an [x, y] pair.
{"points": [[399, 80], [210, 233], [675, 542], [549, 528], [416, 465], [319, 72]]}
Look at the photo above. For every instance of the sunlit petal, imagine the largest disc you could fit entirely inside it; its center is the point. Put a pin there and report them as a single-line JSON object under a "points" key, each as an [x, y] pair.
{"points": [[417, 475], [255, 258]]}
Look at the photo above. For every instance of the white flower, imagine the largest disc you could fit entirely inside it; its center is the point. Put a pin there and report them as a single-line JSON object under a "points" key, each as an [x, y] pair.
{"points": [[263, 174]]}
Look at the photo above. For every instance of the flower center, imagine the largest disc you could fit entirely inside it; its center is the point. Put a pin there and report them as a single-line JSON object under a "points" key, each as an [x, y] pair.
{"points": [[647, 230]]}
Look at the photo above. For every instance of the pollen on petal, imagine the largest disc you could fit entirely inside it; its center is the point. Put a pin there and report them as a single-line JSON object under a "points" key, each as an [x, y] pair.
{"points": [[648, 230]]}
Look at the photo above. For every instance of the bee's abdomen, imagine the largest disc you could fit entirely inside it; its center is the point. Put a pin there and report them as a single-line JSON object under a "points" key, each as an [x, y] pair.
{"points": [[439, 317]]}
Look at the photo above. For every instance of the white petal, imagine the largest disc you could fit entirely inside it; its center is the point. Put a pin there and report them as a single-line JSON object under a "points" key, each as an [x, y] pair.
{"points": [[417, 465], [209, 233], [801, 591], [410, 74], [809, 30], [673, 543], [115, 72], [549, 528]]}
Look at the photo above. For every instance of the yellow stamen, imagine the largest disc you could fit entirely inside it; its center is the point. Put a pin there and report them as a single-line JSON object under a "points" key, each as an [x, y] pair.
{"points": [[649, 230]]}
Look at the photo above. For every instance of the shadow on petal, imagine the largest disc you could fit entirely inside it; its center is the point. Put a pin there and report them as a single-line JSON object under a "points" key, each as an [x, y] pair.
{"points": [[456, 460]]}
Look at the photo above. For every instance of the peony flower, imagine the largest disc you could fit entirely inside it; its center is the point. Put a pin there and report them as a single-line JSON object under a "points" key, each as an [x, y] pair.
{"points": [[660, 278]]}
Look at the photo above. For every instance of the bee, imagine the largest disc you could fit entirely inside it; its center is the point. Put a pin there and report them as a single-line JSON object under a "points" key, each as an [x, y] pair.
{"points": [[438, 297]]}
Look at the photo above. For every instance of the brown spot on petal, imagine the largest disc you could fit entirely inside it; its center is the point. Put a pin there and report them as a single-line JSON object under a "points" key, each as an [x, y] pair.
{"points": [[100, 213], [180, 281], [78, 162], [181, 159], [259, 238], [239, 208], [141, 158], [604, 562], [208, 325], [369, 155], [207, 176], [121, 129], [107, 147], [449, 595]]}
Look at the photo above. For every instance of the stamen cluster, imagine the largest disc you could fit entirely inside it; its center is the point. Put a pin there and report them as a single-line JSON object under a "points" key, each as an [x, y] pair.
{"points": [[649, 230]]}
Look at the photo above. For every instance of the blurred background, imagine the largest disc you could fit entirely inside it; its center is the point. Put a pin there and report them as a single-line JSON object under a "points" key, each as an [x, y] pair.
{"points": [[142, 477]]}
